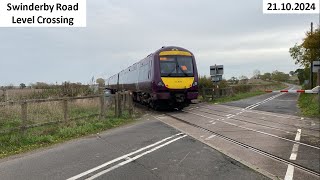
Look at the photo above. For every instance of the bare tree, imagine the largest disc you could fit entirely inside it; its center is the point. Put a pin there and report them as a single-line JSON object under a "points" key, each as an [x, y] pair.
{"points": [[256, 74]]}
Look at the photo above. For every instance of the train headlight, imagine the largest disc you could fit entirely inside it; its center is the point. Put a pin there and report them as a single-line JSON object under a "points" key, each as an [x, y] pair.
{"points": [[160, 84], [195, 83]]}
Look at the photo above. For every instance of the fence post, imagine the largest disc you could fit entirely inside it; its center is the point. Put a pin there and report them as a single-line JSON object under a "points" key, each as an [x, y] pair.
{"points": [[130, 104], [204, 94], [124, 100], [102, 107], [24, 116], [65, 110], [128, 100], [118, 105], [212, 94]]}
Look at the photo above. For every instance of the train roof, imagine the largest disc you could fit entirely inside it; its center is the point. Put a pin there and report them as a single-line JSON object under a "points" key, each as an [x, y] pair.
{"points": [[170, 48], [164, 48]]}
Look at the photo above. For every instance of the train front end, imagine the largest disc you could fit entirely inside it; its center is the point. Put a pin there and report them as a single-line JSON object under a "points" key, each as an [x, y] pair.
{"points": [[176, 77]]}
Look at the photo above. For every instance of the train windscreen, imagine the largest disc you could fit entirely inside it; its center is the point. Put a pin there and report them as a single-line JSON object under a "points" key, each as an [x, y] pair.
{"points": [[176, 66]]}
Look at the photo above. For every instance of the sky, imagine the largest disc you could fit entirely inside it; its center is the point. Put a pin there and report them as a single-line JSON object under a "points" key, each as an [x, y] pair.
{"points": [[232, 33]]}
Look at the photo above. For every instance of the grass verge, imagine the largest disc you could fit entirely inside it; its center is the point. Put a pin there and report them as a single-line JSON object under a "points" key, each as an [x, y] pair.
{"points": [[237, 97], [15, 143], [245, 95], [309, 105]]}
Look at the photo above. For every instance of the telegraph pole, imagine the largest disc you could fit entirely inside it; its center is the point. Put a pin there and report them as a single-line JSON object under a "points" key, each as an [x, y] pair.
{"points": [[311, 64]]}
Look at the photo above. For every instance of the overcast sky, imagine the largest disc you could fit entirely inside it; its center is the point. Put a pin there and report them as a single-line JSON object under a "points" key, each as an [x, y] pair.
{"points": [[233, 33]]}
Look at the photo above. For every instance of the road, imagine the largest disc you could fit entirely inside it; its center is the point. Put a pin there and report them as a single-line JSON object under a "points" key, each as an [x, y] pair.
{"points": [[256, 138]]}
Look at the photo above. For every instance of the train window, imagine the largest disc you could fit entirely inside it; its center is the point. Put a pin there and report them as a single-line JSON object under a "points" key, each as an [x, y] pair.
{"points": [[176, 66]]}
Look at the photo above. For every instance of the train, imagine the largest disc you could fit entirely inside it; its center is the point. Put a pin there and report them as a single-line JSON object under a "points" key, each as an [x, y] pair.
{"points": [[166, 78]]}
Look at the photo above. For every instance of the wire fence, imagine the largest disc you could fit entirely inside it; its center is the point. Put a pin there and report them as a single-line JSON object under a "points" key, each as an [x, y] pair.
{"points": [[25, 114]]}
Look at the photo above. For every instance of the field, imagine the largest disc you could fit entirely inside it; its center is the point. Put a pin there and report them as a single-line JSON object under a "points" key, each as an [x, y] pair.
{"points": [[46, 122], [14, 94]]}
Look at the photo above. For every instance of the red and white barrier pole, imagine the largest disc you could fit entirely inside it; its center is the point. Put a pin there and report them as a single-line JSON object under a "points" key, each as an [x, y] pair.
{"points": [[313, 91]]}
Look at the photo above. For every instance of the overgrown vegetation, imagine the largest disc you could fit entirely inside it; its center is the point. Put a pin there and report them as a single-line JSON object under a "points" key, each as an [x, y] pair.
{"points": [[42, 90], [309, 105], [235, 91], [16, 142], [83, 119], [246, 91], [237, 97]]}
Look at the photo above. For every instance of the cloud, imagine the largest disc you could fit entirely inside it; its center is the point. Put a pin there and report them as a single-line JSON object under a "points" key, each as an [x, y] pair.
{"points": [[119, 33]]}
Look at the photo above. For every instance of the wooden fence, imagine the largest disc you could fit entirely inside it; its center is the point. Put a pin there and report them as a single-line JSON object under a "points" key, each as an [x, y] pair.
{"points": [[23, 111]]}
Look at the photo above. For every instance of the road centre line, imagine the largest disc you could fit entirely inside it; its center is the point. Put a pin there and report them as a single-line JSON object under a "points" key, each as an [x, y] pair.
{"points": [[261, 132], [264, 101], [134, 158], [293, 157], [122, 157]]}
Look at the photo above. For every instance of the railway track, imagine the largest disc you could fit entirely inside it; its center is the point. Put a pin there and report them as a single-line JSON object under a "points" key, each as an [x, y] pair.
{"points": [[201, 108], [247, 146]]}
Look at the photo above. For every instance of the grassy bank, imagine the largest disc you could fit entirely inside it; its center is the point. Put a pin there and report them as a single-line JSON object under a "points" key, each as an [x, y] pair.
{"points": [[244, 95], [309, 105], [237, 97], [14, 143]]}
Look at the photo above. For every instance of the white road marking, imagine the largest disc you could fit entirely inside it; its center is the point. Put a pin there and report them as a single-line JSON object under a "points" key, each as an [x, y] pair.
{"points": [[289, 174], [298, 136], [262, 102], [132, 159], [293, 157], [121, 158], [212, 136], [294, 153]]}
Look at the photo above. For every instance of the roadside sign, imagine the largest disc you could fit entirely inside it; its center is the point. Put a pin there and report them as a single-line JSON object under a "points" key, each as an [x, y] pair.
{"points": [[216, 78], [316, 66], [216, 70], [216, 73]]}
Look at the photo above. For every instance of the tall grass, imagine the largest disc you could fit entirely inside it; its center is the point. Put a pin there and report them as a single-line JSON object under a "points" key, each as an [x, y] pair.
{"points": [[309, 105]]}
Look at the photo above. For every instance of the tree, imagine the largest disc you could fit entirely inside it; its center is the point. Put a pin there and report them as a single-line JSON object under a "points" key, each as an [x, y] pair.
{"points": [[101, 82], [279, 76], [22, 86], [308, 50], [242, 77], [292, 73], [234, 80], [266, 76], [205, 82], [256, 74]]}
